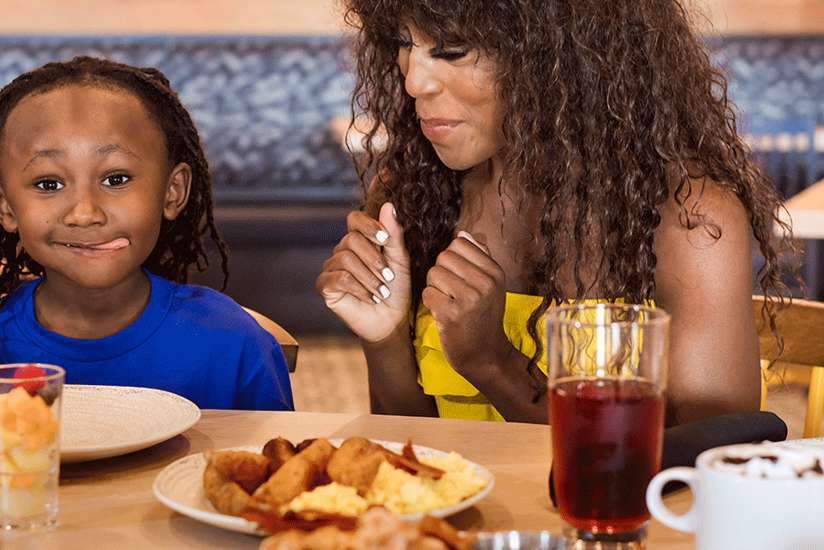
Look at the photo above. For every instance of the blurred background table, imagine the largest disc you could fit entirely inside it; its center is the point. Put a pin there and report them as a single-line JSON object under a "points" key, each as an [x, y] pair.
{"points": [[806, 210], [109, 503]]}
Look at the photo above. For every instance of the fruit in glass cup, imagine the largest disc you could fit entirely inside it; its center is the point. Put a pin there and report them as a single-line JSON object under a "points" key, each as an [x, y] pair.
{"points": [[29, 430]]}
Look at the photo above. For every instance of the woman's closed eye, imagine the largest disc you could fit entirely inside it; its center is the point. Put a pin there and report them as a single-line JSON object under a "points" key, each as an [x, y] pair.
{"points": [[116, 180], [448, 53]]}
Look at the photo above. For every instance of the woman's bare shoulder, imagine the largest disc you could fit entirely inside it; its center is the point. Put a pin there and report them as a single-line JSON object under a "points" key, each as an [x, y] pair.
{"points": [[704, 240]]}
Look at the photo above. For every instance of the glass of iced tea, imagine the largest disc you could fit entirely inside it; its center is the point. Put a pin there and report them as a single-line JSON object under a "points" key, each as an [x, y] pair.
{"points": [[30, 397], [607, 375]]}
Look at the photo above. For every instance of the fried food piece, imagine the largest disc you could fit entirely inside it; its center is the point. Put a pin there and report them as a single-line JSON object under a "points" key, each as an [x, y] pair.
{"points": [[300, 473], [441, 530], [278, 451], [303, 444], [230, 477], [325, 538], [377, 529], [356, 463]]}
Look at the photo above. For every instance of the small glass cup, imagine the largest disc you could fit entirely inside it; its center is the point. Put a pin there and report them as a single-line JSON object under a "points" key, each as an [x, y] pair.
{"points": [[30, 401], [607, 375]]}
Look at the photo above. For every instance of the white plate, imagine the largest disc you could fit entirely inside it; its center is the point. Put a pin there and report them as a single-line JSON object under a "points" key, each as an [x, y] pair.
{"points": [[180, 487], [105, 421]]}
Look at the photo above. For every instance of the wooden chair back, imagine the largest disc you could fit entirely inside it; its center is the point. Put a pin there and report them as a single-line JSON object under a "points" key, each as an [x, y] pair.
{"points": [[287, 342], [802, 327]]}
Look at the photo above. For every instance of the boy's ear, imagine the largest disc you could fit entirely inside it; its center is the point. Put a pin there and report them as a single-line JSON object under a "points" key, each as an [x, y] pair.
{"points": [[177, 191], [7, 218]]}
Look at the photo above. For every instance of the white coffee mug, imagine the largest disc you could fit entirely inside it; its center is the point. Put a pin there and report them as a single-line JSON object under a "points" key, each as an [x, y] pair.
{"points": [[732, 511]]}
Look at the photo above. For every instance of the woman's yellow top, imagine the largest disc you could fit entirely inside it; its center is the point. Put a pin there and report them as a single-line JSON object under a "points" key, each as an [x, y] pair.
{"points": [[454, 395]]}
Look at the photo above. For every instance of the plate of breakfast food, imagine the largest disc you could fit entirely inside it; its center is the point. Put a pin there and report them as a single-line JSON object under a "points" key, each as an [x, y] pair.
{"points": [[105, 421], [319, 482]]}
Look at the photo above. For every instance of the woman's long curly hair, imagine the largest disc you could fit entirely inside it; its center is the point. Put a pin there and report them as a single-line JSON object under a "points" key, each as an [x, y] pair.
{"points": [[610, 108], [180, 245]]}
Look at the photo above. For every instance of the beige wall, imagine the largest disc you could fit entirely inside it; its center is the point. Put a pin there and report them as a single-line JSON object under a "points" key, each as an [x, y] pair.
{"points": [[765, 16], [323, 16], [170, 16]]}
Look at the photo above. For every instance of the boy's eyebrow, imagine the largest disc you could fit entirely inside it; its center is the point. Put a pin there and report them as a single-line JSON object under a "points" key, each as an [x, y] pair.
{"points": [[115, 148], [44, 153], [102, 150]]}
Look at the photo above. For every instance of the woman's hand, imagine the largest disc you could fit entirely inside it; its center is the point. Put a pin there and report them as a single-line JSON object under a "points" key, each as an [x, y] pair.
{"points": [[366, 281], [466, 294]]}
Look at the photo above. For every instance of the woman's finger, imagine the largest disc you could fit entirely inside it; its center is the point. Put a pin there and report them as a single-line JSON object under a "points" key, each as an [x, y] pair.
{"points": [[367, 226], [467, 271], [369, 253], [441, 305], [473, 253], [450, 284], [347, 260], [395, 247], [334, 285]]}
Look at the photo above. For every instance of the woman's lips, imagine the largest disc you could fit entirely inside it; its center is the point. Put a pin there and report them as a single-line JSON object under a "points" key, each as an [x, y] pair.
{"points": [[436, 129]]}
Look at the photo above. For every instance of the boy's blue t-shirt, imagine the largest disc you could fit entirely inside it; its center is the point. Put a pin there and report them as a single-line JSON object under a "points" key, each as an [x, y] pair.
{"points": [[189, 340]]}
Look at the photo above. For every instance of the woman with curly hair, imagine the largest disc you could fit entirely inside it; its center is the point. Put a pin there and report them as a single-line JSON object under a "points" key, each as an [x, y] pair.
{"points": [[541, 152]]}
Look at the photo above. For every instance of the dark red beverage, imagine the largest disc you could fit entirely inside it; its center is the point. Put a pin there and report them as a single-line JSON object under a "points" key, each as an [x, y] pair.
{"points": [[606, 447]]}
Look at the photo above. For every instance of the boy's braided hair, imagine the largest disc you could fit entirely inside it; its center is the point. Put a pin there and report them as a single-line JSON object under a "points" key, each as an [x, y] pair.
{"points": [[180, 244]]}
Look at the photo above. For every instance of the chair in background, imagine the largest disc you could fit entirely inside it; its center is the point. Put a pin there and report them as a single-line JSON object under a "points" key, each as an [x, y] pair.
{"points": [[802, 327], [287, 342]]}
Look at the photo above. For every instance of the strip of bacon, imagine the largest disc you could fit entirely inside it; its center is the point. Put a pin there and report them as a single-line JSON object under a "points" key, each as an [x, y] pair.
{"points": [[408, 462], [272, 522]]}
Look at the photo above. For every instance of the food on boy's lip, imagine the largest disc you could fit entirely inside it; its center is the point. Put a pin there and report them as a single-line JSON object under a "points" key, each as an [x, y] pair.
{"points": [[375, 528], [28, 436], [340, 481]]}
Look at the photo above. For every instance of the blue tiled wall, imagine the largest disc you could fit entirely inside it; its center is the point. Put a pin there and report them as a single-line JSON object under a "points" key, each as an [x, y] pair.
{"points": [[263, 104]]}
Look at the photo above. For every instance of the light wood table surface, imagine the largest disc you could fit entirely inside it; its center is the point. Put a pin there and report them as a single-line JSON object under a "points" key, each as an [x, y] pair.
{"points": [[806, 210], [109, 503]]}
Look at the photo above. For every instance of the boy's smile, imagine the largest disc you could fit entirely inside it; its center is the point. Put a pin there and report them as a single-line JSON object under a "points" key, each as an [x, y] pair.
{"points": [[85, 178]]}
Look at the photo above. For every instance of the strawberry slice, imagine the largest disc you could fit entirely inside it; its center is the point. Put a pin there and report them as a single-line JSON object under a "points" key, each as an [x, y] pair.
{"points": [[30, 371]]}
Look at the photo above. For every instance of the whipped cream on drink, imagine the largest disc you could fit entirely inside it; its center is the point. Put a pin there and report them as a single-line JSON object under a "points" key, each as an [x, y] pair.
{"points": [[771, 462]]}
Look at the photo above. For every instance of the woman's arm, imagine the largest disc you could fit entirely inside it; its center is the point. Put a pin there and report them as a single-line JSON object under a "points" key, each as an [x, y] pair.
{"points": [[705, 283], [509, 387], [366, 282], [393, 377]]}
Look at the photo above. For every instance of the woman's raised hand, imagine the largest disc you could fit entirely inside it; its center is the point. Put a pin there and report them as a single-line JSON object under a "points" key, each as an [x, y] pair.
{"points": [[466, 293], [366, 281]]}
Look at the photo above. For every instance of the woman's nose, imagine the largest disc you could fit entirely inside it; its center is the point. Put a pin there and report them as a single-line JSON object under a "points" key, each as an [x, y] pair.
{"points": [[85, 210], [422, 76]]}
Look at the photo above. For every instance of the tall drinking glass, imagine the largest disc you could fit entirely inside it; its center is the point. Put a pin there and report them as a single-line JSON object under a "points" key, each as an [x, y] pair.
{"points": [[607, 376], [30, 399]]}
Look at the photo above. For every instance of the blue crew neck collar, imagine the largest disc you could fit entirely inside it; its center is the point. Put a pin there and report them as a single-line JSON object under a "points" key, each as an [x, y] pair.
{"points": [[75, 349]]}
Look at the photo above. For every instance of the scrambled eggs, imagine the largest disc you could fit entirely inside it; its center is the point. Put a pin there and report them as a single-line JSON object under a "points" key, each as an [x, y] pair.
{"points": [[399, 491]]}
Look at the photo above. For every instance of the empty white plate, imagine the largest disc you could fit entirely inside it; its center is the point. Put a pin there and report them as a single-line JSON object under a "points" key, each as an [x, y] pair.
{"points": [[105, 421], [180, 487]]}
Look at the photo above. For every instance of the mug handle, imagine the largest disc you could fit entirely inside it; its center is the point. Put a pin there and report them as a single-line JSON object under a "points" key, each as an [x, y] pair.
{"points": [[655, 504]]}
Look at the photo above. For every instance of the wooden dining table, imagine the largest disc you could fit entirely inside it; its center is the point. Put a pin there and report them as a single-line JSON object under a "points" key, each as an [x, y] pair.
{"points": [[109, 503]]}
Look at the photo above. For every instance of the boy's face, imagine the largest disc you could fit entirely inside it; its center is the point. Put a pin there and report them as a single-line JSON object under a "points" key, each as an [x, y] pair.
{"points": [[86, 181]]}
